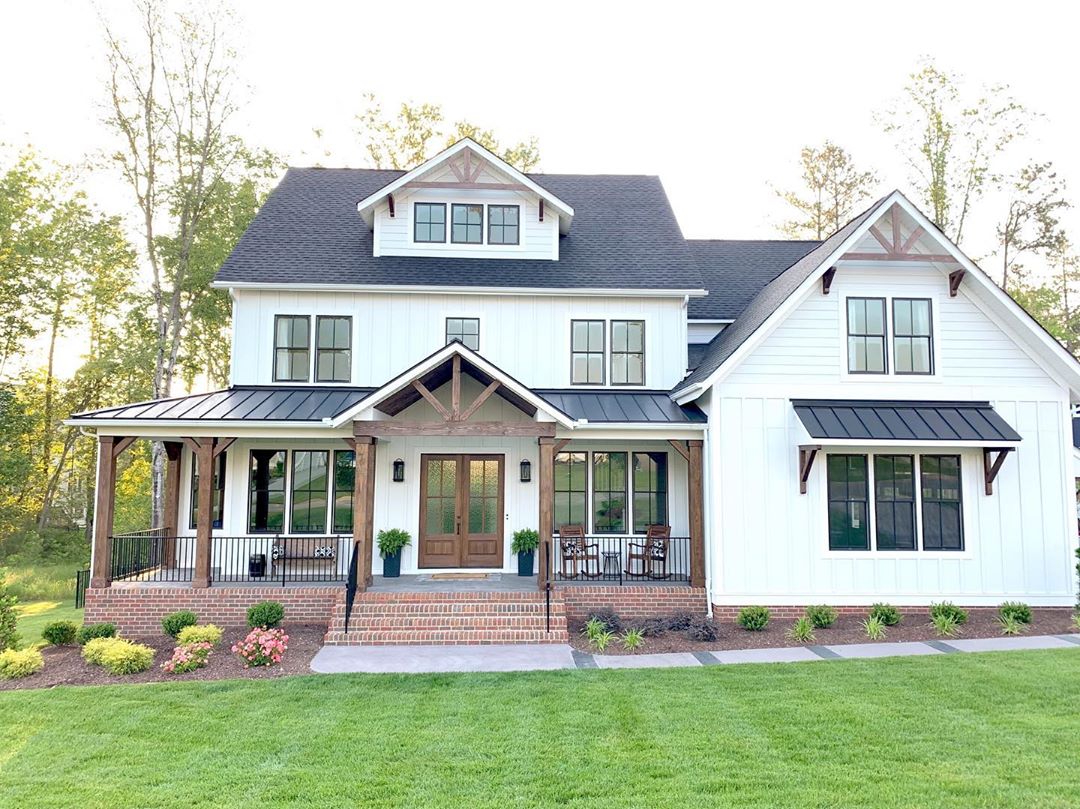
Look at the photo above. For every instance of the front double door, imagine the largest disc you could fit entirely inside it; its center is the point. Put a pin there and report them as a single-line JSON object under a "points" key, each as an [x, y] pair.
{"points": [[461, 511]]}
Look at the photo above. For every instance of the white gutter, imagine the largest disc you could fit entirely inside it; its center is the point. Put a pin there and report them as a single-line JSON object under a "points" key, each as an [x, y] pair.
{"points": [[426, 289]]}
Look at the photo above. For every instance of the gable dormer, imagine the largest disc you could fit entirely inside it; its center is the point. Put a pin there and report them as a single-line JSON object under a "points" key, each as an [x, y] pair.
{"points": [[466, 203]]}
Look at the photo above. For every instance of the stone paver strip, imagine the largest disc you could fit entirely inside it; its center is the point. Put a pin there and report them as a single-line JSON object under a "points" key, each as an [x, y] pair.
{"points": [[1008, 644], [823, 652], [942, 646], [905, 648], [417, 659], [1069, 638], [706, 658], [792, 654], [647, 661], [583, 660]]}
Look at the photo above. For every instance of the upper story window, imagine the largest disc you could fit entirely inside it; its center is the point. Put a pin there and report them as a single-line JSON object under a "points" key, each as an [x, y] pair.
{"points": [[467, 224], [429, 222], [333, 349], [866, 335], [465, 330], [503, 224], [628, 352], [912, 336], [292, 348], [587, 352]]}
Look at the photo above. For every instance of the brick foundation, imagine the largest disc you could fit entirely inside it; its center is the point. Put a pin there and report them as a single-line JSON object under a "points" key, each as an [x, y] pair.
{"points": [[137, 611], [632, 602]]}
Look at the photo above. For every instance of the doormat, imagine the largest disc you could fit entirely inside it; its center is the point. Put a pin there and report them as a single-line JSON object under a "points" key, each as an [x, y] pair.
{"points": [[460, 576]]}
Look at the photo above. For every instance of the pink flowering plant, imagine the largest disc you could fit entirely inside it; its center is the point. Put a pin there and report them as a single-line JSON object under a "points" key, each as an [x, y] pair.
{"points": [[262, 647], [188, 657]]}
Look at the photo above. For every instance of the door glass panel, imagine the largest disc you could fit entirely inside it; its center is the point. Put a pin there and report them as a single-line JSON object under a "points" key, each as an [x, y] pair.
{"points": [[483, 495], [441, 496]]}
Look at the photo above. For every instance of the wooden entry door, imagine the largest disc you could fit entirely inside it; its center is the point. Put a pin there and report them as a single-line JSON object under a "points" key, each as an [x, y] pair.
{"points": [[461, 510]]}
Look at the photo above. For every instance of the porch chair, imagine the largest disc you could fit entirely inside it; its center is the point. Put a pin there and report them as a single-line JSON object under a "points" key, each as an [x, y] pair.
{"points": [[577, 557], [650, 556]]}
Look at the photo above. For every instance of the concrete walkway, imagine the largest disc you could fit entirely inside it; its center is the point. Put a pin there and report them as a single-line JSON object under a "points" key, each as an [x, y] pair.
{"points": [[529, 657]]}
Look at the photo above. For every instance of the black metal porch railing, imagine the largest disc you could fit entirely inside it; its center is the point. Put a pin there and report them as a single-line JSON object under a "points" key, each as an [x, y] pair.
{"points": [[82, 581], [620, 560], [350, 585], [151, 556], [277, 559]]}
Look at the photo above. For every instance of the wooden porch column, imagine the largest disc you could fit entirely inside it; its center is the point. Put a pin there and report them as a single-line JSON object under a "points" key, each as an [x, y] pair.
{"points": [[103, 510], [363, 507], [547, 508], [696, 502], [171, 519], [203, 448]]}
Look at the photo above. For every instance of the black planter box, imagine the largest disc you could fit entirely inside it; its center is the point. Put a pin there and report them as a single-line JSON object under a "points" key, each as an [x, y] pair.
{"points": [[525, 563], [257, 565], [391, 566]]}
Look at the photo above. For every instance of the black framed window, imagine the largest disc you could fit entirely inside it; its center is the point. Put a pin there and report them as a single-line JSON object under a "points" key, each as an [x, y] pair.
{"points": [[344, 487], [942, 503], [503, 224], [570, 479], [309, 492], [465, 330], [467, 225], [913, 336], [587, 352], [609, 492], [429, 222], [628, 352], [266, 491], [650, 482], [894, 502], [866, 335], [219, 491], [333, 349], [292, 348], [848, 496]]}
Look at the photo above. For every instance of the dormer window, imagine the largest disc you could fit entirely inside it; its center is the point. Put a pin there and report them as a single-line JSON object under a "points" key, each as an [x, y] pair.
{"points": [[503, 224], [464, 330], [429, 222], [467, 224]]}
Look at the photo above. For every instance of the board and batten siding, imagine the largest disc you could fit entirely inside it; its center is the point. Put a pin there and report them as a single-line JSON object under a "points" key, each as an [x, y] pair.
{"points": [[769, 543], [528, 336]]}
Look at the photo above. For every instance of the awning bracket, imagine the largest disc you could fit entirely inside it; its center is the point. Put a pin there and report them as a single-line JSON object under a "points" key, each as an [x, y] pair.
{"points": [[992, 467], [807, 453]]}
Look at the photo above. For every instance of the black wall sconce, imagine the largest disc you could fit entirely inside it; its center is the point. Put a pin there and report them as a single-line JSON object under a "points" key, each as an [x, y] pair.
{"points": [[399, 470], [526, 471]]}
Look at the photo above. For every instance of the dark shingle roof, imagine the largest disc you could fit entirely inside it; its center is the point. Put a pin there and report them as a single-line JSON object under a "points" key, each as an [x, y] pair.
{"points": [[241, 403], [735, 270], [308, 231], [621, 406], [902, 421], [771, 296]]}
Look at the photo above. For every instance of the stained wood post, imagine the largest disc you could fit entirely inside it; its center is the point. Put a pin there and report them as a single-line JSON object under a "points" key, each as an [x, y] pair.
{"points": [[696, 502], [171, 524], [204, 524], [547, 508], [369, 525], [363, 507], [103, 511]]}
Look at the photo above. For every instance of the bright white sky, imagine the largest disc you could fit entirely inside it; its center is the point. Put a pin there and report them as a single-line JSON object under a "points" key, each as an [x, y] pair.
{"points": [[717, 99]]}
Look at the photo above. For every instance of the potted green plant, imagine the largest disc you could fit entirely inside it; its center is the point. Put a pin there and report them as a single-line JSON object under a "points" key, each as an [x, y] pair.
{"points": [[391, 541], [524, 545]]}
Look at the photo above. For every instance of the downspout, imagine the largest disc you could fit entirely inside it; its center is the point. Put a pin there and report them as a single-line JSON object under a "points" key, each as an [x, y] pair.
{"points": [[706, 495]]}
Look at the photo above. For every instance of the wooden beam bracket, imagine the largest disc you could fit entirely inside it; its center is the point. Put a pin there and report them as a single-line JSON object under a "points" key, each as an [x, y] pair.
{"points": [[390, 201], [827, 279], [807, 454], [121, 444], [680, 447], [222, 444], [992, 467], [955, 278]]}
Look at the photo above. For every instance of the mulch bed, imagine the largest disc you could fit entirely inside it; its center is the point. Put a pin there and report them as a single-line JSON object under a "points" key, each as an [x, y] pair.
{"points": [[915, 626], [64, 664]]}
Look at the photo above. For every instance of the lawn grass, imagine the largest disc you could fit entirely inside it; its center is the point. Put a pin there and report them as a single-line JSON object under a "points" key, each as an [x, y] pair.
{"points": [[34, 615], [946, 731]]}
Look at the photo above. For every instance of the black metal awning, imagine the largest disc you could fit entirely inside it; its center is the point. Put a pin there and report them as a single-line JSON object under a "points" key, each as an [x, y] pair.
{"points": [[876, 421]]}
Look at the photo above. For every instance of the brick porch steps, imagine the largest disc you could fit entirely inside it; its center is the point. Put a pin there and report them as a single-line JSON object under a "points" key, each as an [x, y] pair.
{"points": [[482, 618]]}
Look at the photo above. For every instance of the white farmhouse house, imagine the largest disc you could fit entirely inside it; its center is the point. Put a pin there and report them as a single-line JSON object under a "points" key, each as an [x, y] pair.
{"points": [[462, 351]]}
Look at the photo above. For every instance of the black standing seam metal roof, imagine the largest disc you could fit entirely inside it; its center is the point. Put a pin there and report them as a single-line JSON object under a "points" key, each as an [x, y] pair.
{"points": [[902, 420], [605, 406]]}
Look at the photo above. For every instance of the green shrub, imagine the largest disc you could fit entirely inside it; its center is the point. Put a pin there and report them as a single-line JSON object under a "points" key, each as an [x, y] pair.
{"points": [[125, 657], [267, 614], [93, 650], [1011, 625], [392, 540], [949, 609], [633, 639], [525, 540], [602, 639], [802, 630], [945, 624], [822, 616], [753, 618], [175, 621], [60, 633], [88, 632], [1017, 610], [15, 664], [611, 621], [9, 637], [875, 628], [702, 629], [886, 613], [200, 634]]}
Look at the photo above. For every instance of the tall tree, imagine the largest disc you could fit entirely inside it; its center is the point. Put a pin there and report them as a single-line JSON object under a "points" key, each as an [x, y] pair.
{"points": [[953, 141], [832, 188], [1032, 222], [172, 97]]}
